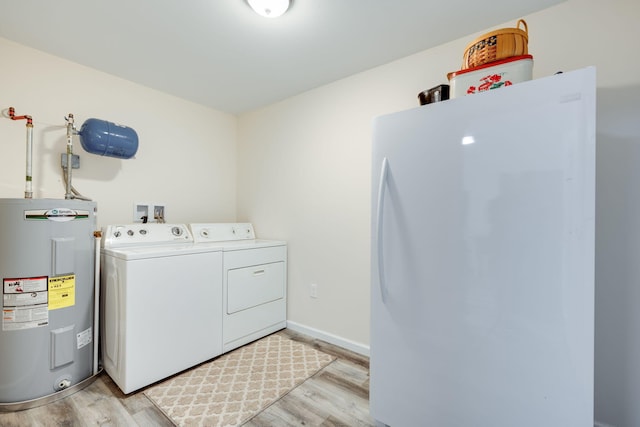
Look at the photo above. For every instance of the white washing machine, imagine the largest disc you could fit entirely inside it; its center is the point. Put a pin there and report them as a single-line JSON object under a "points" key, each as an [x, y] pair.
{"points": [[161, 299], [254, 281]]}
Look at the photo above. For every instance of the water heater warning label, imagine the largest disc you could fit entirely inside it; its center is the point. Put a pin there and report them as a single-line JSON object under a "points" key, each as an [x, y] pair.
{"points": [[62, 291], [23, 285], [84, 338], [24, 303]]}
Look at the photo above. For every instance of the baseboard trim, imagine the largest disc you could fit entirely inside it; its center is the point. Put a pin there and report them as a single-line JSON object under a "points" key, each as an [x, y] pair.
{"points": [[330, 338]]}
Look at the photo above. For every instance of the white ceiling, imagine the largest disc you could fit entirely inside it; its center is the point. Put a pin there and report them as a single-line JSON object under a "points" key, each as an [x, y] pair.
{"points": [[221, 54]]}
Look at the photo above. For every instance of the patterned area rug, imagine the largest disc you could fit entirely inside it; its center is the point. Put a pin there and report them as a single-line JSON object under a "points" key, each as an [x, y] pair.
{"points": [[231, 389]]}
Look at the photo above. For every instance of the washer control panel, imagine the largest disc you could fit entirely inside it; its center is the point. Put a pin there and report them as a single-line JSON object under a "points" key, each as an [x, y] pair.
{"points": [[145, 234], [221, 232]]}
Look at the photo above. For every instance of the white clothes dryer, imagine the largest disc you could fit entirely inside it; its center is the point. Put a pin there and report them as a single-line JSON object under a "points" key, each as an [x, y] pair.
{"points": [[254, 281], [161, 299]]}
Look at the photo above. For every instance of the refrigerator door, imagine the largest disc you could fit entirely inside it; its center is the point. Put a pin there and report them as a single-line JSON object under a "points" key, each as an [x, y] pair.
{"points": [[483, 259]]}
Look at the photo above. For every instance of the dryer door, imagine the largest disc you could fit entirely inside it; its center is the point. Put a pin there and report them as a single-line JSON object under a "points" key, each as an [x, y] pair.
{"points": [[251, 286]]}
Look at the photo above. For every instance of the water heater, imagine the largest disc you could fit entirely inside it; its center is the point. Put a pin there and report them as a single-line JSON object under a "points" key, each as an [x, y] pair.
{"points": [[47, 263]]}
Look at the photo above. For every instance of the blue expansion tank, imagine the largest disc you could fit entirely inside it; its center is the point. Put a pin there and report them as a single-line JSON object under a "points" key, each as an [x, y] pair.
{"points": [[108, 139]]}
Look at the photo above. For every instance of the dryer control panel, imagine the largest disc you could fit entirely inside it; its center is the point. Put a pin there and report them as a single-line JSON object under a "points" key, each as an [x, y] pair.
{"points": [[117, 236], [221, 232]]}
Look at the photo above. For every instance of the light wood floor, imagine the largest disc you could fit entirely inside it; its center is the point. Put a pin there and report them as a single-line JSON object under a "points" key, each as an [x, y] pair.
{"points": [[338, 395]]}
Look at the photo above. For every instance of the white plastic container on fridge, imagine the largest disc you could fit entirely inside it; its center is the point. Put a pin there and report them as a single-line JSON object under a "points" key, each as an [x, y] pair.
{"points": [[493, 75]]}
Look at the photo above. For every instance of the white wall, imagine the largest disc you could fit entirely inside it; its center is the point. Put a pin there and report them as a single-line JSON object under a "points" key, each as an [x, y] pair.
{"points": [[304, 175], [186, 157]]}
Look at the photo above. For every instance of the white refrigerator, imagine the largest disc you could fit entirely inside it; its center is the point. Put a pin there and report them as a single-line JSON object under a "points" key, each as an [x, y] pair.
{"points": [[483, 259]]}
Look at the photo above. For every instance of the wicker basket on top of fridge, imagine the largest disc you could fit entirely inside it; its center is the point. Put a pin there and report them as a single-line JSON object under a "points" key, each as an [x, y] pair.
{"points": [[496, 45]]}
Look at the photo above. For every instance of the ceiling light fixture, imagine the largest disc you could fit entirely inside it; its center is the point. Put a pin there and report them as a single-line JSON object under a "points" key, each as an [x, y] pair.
{"points": [[269, 8]]}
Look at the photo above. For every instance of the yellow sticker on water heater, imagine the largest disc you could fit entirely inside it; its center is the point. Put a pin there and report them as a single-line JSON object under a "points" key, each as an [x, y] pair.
{"points": [[62, 291]]}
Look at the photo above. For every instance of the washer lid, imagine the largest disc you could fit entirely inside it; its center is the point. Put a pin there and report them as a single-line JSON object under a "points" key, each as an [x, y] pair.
{"points": [[158, 251]]}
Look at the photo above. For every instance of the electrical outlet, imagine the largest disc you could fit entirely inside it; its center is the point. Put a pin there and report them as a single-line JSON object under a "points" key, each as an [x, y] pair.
{"points": [[313, 290]]}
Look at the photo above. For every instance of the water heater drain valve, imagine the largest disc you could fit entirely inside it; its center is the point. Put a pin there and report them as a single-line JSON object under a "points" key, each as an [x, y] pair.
{"points": [[62, 383]]}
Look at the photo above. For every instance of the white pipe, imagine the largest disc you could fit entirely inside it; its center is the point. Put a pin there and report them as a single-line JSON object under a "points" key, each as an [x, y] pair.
{"points": [[69, 193], [96, 302], [28, 186]]}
